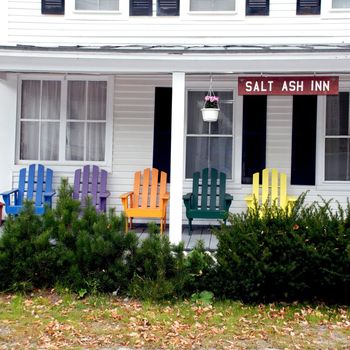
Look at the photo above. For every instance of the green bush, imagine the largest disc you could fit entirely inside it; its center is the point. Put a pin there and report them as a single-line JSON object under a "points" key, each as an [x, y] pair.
{"points": [[302, 254]]}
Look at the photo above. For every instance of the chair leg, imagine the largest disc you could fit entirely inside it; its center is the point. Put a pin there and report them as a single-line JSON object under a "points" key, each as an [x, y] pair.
{"points": [[190, 226], [126, 224]]}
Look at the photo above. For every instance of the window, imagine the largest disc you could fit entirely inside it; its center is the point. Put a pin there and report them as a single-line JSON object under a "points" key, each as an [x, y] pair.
{"points": [[308, 7], [337, 139], [212, 5], [63, 120], [257, 7], [339, 4], [209, 144], [97, 5]]}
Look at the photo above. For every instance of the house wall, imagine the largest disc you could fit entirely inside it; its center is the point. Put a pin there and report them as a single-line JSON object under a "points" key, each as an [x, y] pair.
{"points": [[133, 140], [26, 25]]}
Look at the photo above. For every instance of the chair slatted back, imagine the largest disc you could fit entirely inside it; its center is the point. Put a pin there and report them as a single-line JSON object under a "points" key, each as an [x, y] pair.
{"points": [[273, 187], [147, 188], [89, 183], [208, 190], [33, 182]]}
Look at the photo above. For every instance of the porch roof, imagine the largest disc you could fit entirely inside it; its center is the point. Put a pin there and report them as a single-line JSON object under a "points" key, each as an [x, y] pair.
{"points": [[249, 59]]}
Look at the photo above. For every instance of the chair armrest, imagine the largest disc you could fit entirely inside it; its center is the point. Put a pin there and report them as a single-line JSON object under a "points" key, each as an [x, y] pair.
{"points": [[49, 194], [187, 196], [105, 194], [228, 197], [126, 195], [165, 196], [9, 192]]}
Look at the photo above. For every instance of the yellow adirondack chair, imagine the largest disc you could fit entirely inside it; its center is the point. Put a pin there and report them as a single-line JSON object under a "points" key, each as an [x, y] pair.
{"points": [[272, 189], [149, 198]]}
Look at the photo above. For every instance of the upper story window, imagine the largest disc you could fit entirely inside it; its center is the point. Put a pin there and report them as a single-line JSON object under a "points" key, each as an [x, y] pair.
{"points": [[339, 4], [257, 7], [308, 7], [212, 5], [97, 5], [145, 7]]}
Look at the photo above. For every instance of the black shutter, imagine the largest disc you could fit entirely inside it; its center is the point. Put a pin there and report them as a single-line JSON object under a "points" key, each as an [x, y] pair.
{"points": [[52, 7], [257, 7], [162, 129], [168, 7], [308, 7], [140, 7], [254, 136], [304, 140]]}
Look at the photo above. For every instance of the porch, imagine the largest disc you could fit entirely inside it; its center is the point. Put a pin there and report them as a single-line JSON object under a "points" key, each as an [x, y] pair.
{"points": [[199, 233]]}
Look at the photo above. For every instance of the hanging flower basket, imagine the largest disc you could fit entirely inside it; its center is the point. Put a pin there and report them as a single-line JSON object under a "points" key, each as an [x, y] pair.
{"points": [[210, 114], [211, 109]]}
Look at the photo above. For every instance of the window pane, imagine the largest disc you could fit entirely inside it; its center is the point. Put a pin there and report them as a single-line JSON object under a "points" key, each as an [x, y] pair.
{"points": [[195, 123], [209, 152], [337, 114], [109, 5], [341, 3], [337, 159], [29, 141], [49, 139], [75, 141], [224, 124], [212, 5], [97, 97], [103, 5], [51, 100], [30, 107], [221, 154], [95, 145], [76, 104], [197, 156], [86, 4]]}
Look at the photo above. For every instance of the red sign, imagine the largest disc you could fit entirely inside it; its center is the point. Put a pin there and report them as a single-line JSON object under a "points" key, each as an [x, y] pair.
{"points": [[296, 85]]}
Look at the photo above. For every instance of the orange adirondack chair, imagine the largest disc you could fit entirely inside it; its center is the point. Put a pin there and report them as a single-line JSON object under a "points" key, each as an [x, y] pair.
{"points": [[149, 198]]}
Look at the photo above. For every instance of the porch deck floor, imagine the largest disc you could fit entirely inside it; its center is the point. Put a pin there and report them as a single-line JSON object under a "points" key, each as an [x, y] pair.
{"points": [[198, 233], [203, 233]]}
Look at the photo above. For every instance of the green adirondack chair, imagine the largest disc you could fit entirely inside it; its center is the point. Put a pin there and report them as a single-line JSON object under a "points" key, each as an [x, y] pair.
{"points": [[208, 199]]}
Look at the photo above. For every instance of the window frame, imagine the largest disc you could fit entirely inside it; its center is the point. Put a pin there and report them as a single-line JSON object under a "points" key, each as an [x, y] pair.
{"points": [[234, 137], [344, 86], [104, 15], [62, 162], [186, 13], [327, 11]]}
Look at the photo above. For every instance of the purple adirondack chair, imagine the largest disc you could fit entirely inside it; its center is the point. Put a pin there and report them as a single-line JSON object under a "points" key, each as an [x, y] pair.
{"points": [[93, 184]]}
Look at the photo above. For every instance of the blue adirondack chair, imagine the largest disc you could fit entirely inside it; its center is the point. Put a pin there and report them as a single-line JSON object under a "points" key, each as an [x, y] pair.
{"points": [[35, 184], [92, 184]]}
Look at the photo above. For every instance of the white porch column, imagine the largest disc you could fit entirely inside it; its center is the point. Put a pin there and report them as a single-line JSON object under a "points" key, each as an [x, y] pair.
{"points": [[177, 156], [8, 96]]}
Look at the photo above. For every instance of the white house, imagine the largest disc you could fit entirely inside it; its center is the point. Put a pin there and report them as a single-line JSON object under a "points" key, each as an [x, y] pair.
{"points": [[119, 83]]}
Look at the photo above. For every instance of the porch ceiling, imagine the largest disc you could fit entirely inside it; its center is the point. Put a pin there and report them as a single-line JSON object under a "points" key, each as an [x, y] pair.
{"points": [[167, 59]]}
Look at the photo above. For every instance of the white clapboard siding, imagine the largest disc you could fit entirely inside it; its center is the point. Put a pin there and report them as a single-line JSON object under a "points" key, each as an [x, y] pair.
{"points": [[26, 25], [133, 144]]}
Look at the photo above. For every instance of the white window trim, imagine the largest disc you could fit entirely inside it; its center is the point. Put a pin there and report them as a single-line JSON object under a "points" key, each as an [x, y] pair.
{"points": [[344, 86], [107, 163], [121, 14], [187, 14], [327, 11], [236, 125]]}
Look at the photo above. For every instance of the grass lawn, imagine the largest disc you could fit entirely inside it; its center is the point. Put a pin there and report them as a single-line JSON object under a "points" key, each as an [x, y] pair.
{"points": [[48, 320]]}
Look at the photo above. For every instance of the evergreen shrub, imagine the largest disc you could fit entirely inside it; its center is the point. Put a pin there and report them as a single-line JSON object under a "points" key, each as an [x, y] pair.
{"points": [[268, 254]]}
